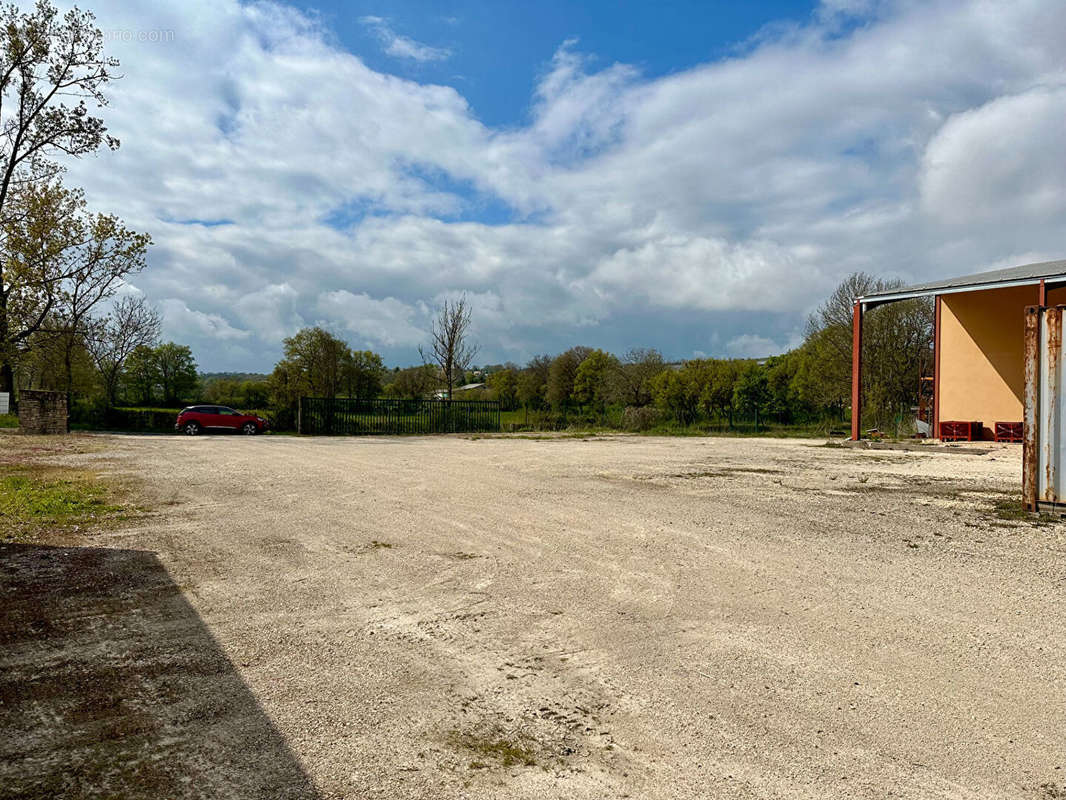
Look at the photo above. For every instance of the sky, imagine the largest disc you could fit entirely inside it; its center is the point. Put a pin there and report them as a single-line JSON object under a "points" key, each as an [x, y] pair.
{"points": [[691, 176]]}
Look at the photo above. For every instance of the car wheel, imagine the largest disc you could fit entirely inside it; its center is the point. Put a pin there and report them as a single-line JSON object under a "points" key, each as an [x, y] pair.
{"points": [[192, 428], [250, 429]]}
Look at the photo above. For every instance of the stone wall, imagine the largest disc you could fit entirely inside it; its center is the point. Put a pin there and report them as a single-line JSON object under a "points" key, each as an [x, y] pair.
{"points": [[42, 412]]}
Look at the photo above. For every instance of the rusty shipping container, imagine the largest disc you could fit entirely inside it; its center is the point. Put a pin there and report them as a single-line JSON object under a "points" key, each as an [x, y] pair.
{"points": [[1044, 442]]}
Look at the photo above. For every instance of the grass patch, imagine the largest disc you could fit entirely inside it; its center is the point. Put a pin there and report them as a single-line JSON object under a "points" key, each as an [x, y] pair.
{"points": [[9, 421], [1014, 510], [496, 749], [376, 545], [1011, 510], [36, 500]]}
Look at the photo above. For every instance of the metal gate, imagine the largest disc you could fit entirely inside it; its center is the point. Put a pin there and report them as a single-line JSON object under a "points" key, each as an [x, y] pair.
{"points": [[1043, 469]]}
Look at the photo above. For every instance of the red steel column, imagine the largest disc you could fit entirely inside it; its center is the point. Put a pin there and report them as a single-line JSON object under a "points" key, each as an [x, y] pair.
{"points": [[1043, 293], [856, 372], [936, 369]]}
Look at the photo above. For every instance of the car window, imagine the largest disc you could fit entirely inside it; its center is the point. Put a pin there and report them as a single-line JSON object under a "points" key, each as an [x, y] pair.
{"points": [[207, 410], [228, 412]]}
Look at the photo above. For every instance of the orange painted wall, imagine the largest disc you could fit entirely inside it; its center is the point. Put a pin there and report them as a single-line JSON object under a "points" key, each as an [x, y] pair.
{"points": [[982, 368]]}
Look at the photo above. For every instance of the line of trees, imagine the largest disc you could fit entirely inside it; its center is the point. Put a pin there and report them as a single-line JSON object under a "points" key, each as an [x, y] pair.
{"points": [[117, 360], [811, 383]]}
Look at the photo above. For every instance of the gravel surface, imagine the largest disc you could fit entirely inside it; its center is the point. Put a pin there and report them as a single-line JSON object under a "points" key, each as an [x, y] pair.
{"points": [[542, 617]]}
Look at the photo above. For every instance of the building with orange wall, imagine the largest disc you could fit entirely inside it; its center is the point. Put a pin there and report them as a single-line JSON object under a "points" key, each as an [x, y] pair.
{"points": [[979, 372]]}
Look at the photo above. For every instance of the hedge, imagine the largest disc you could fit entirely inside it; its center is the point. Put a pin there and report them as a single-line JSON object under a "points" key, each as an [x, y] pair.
{"points": [[141, 419]]}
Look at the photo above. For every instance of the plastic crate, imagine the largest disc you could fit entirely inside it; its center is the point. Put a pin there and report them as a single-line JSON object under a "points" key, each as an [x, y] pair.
{"points": [[957, 431], [1008, 431]]}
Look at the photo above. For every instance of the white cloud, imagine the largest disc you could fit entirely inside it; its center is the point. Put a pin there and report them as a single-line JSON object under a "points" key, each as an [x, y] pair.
{"points": [[182, 322], [273, 311], [750, 345], [403, 46], [1003, 161], [387, 321], [924, 142]]}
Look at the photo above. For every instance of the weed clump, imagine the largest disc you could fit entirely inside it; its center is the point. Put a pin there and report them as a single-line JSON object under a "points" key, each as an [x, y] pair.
{"points": [[495, 748], [1013, 510]]}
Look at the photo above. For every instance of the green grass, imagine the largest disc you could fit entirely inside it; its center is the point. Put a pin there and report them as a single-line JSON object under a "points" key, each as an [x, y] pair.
{"points": [[36, 500], [495, 748], [770, 430], [670, 427], [9, 421], [1013, 510]]}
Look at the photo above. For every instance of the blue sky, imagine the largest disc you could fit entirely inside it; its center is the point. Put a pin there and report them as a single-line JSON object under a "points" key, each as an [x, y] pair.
{"points": [[497, 50], [691, 176]]}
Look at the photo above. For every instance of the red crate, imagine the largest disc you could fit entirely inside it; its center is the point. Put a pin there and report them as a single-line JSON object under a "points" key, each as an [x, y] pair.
{"points": [[956, 431], [1008, 431]]}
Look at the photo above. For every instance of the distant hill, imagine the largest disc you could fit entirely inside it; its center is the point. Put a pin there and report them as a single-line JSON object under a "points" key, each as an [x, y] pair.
{"points": [[234, 376]]}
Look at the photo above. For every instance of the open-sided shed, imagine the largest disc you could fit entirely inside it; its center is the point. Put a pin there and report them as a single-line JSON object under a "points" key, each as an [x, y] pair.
{"points": [[979, 342]]}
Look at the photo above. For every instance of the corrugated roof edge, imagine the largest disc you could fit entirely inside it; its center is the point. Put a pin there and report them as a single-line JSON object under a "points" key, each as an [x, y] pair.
{"points": [[1024, 275]]}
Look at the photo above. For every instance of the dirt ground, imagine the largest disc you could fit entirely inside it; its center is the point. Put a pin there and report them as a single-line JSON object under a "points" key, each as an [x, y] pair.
{"points": [[530, 618]]}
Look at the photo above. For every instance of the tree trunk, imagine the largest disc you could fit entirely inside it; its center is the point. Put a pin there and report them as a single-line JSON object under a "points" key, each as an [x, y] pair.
{"points": [[7, 372], [67, 358]]}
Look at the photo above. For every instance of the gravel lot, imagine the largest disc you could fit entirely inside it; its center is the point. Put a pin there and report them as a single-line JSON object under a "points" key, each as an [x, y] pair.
{"points": [[497, 618]]}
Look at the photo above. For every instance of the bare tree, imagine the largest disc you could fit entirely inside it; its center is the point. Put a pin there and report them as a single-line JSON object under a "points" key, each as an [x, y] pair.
{"points": [[450, 349], [131, 323], [897, 349], [45, 61], [105, 253], [632, 380]]}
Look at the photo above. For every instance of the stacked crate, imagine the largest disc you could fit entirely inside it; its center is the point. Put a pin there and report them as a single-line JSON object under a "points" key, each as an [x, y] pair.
{"points": [[1008, 431], [956, 431]]}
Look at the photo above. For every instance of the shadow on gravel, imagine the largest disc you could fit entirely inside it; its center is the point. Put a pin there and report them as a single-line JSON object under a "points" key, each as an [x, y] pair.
{"points": [[111, 686]]}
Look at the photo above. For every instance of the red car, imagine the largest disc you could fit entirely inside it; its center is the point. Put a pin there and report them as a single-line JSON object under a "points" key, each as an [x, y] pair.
{"points": [[197, 419]]}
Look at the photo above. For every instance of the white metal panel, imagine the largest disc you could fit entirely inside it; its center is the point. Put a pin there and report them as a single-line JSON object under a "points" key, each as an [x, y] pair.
{"points": [[5, 403]]}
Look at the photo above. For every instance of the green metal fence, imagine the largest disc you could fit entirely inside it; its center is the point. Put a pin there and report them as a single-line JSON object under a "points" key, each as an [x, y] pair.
{"points": [[349, 416]]}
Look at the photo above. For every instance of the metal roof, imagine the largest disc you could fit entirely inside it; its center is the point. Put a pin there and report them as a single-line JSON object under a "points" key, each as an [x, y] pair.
{"points": [[1026, 275]]}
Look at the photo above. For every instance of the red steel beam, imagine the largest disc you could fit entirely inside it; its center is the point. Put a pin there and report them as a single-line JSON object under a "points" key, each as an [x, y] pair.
{"points": [[856, 372], [936, 368]]}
